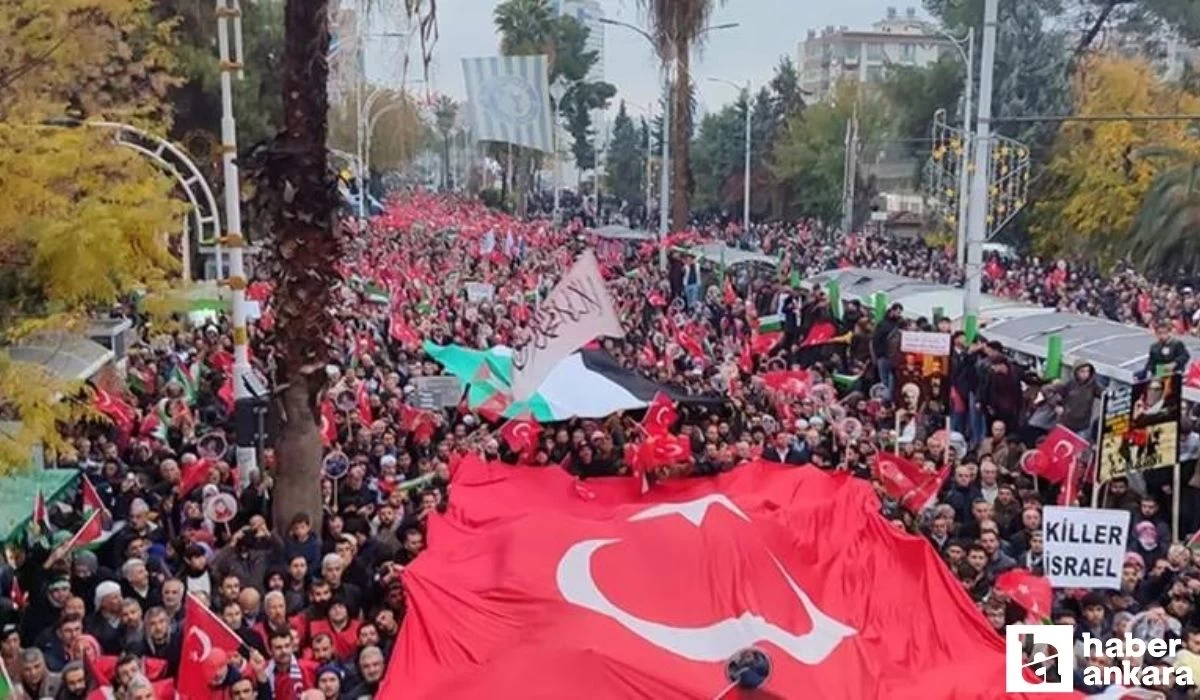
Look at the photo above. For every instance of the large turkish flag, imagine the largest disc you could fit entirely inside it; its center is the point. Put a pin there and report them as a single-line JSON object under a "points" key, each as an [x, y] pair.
{"points": [[530, 590]]}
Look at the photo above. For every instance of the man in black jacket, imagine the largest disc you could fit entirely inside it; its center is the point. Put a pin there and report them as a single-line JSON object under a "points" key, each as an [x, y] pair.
{"points": [[1168, 355], [879, 347], [782, 451]]}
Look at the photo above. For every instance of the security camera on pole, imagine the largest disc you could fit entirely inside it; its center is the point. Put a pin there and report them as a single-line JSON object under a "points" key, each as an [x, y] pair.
{"points": [[245, 420]]}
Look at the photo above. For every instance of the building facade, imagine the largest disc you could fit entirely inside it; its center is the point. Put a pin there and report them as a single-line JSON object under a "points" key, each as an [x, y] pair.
{"points": [[589, 13], [897, 40]]}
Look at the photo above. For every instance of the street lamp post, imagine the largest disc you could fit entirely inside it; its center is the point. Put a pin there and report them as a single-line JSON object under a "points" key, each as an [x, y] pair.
{"points": [[227, 10], [668, 64], [648, 110], [978, 211], [558, 92], [964, 163], [746, 174]]}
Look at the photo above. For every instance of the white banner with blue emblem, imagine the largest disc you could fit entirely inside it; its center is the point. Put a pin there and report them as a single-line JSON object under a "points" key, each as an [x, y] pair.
{"points": [[509, 100]]}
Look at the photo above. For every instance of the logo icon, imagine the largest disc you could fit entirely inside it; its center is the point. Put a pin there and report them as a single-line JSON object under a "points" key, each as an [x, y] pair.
{"points": [[1039, 658]]}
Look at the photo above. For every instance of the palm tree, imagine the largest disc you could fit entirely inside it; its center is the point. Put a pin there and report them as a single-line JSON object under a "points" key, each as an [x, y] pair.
{"points": [[307, 249], [678, 25], [1164, 239], [526, 27], [445, 112]]}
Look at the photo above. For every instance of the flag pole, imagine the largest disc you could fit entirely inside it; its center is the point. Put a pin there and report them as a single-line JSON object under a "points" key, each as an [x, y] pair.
{"points": [[1097, 483], [1175, 502]]}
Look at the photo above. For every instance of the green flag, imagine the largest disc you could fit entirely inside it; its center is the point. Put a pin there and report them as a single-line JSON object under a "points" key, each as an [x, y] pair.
{"points": [[186, 377], [7, 689]]}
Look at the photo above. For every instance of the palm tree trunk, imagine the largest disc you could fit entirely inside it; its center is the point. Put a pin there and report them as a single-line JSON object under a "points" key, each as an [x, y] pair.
{"points": [[446, 163], [307, 249], [681, 114]]}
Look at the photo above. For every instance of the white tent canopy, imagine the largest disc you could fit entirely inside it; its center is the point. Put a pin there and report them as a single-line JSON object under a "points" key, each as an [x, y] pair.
{"points": [[716, 252], [920, 298], [1115, 349], [624, 233]]}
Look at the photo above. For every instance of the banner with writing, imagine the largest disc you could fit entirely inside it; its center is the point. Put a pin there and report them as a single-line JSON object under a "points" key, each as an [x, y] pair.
{"points": [[576, 311], [1140, 429]]}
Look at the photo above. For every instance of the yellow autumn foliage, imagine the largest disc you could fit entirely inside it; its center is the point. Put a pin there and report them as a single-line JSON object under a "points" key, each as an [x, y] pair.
{"points": [[1093, 184], [82, 218]]}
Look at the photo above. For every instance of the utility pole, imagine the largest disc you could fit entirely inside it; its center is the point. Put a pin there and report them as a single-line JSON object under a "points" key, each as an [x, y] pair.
{"points": [[746, 176], [247, 458], [664, 184], [977, 223], [850, 172], [964, 165], [649, 157]]}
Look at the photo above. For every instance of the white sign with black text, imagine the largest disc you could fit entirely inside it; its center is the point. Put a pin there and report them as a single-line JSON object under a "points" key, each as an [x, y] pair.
{"points": [[925, 343], [1085, 547]]}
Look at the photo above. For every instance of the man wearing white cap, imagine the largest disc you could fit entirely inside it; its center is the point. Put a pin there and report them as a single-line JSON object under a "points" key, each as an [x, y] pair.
{"points": [[105, 623]]}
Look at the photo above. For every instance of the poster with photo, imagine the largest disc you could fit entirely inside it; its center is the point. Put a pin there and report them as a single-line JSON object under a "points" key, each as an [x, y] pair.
{"points": [[923, 374], [1140, 429]]}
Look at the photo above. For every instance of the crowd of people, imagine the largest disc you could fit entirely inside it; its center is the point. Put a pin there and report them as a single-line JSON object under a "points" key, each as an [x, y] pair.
{"points": [[796, 381]]}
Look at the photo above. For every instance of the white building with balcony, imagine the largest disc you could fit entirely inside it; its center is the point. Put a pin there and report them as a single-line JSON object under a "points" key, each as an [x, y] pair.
{"points": [[834, 53]]}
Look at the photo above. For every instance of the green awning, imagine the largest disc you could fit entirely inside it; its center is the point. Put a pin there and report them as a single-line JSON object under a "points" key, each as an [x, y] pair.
{"points": [[18, 491]]}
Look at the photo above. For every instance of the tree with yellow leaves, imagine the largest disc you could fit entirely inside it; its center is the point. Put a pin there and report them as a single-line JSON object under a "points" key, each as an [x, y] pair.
{"points": [[82, 219], [1094, 183]]}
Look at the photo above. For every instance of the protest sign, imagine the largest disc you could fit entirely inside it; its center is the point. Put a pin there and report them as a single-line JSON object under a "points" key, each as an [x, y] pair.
{"points": [[1140, 427], [1085, 547], [479, 291], [925, 343], [577, 310], [924, 372], [434, 393]]}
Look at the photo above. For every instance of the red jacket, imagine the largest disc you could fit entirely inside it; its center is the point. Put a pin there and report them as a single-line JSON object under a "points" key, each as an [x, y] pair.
{"points": [[296, 623], [345, 642]]}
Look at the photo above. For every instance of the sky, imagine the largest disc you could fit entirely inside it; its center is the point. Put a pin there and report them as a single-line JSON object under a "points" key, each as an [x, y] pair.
{"points": [[768, 30]]}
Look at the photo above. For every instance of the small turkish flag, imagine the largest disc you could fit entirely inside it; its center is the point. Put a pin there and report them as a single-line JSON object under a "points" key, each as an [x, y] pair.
{"points": [[521, 434], [1031, 592], [206, 639], [660, 415], [1054, 457], [906, 482]]}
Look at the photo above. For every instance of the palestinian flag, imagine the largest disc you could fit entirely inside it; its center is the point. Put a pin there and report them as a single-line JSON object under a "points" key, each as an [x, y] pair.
{"points": [[585, 384], [375, 294], [41, 514], [186, 377], [1193, 542], [86, 537], [7, 688], [157, 423], [771, 324], [846, 382], [91, 498]]}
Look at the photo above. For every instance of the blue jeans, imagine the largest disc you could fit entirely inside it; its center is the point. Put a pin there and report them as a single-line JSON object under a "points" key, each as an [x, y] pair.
{"points": [[691, 293], [883, 366]]}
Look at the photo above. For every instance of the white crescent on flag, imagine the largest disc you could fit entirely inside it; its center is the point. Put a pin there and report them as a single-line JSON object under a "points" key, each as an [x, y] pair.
{"points": [[205, 644]]}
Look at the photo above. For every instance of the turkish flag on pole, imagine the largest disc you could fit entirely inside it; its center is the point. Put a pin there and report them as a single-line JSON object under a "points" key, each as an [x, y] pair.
{"points": [[537, 583], [1054, 457], [906, 482], [1031, 592], [203, 634], [660, 415]]}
